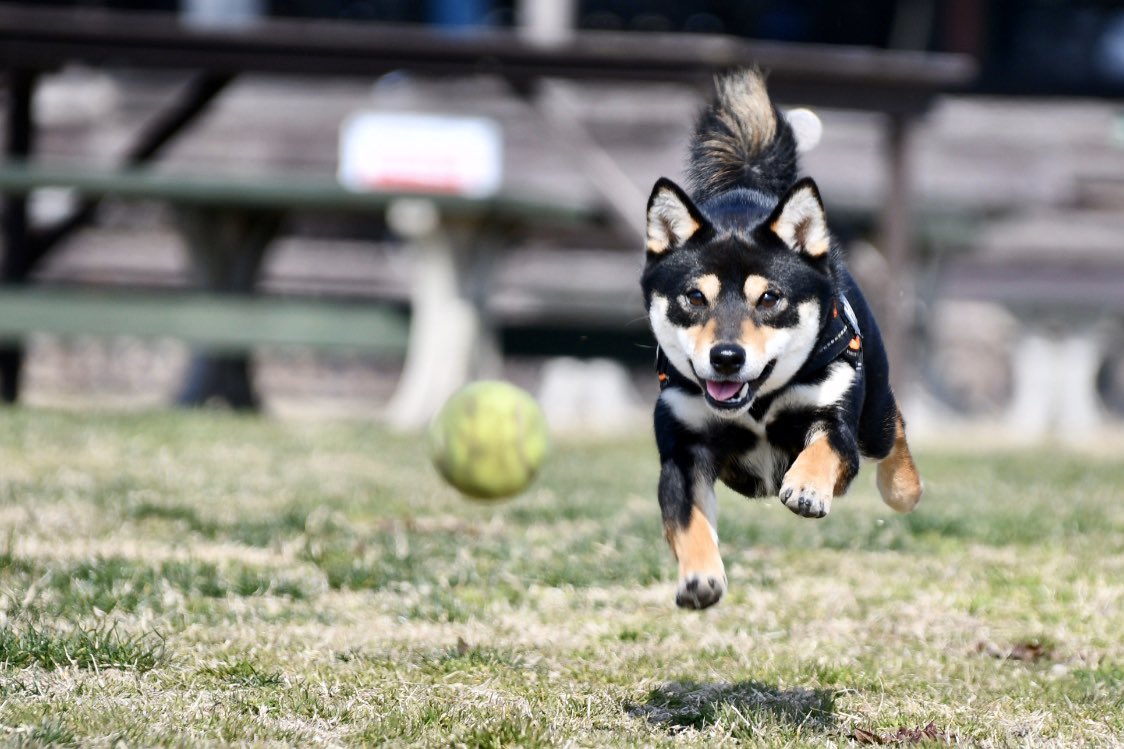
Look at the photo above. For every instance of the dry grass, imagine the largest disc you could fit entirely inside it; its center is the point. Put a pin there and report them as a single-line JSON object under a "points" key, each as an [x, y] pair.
{"points": [[205, 579]]}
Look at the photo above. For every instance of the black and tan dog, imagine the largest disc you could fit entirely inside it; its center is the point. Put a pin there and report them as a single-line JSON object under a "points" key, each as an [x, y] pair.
{"points": [[773, 374]]}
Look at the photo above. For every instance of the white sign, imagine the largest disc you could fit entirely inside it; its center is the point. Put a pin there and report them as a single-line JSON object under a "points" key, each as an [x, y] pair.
{"points": [[421, 153]]}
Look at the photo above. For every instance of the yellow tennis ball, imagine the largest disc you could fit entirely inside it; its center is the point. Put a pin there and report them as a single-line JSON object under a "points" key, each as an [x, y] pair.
{"points": [[489, 440]]}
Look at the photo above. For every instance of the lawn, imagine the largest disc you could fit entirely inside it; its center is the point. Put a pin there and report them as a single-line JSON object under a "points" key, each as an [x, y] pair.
{"points": [[171, 578]]}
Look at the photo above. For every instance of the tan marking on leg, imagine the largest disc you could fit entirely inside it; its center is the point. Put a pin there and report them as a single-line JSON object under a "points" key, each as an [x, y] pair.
{"points": [[694, 545], [898, 479], [814, 478], [702, 576]]}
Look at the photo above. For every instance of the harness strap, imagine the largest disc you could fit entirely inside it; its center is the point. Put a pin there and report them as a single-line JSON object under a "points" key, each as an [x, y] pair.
{"points": [[669, 375], [840, 337]]}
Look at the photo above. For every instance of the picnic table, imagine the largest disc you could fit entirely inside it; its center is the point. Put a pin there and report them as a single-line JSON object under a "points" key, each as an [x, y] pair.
{"points": [[228, 224], [900, 85]]}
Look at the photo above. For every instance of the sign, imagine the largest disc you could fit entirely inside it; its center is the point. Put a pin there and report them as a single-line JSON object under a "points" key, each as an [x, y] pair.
{"points": [[421, 153]]}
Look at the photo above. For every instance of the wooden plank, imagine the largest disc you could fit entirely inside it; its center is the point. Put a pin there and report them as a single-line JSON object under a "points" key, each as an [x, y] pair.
{"points": [[895, 80], [282, 191], [221, 323]]}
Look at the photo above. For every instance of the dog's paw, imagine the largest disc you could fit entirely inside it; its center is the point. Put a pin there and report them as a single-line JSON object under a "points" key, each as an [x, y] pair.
{"points": [[698, 590], [806, 498]]}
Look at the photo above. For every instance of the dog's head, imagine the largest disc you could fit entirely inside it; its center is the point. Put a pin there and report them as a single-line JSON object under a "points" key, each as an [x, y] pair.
{"points": [[737, 298]]}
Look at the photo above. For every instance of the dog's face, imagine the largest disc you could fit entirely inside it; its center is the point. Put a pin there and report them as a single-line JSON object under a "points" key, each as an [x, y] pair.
{"points": [[737, 300]]}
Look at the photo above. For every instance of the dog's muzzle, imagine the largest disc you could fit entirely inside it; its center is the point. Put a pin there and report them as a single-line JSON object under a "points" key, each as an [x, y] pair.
{"points": [[733, 394]]}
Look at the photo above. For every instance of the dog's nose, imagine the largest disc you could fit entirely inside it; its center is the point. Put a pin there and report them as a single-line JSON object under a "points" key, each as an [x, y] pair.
{"points": [[726, 358]]}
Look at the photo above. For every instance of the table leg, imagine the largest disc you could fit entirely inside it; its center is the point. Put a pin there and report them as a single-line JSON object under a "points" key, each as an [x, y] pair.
{"points": [[226, 247], [196, 97], [17, 232], [451, 340], [896, 304], [1055, 383]]}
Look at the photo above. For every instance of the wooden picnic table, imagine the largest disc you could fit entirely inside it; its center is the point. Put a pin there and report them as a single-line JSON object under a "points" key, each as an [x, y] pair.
{"points": [[35, 40], [227, 225], [849, 77]]}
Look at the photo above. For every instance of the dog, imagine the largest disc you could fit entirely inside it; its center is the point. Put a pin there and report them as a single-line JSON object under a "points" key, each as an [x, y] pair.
{"points": [[773, 375]]}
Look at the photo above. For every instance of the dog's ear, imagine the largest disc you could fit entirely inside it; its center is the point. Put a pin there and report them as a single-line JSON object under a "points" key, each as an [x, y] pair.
{"points": [[672, 218], [799, 220]]}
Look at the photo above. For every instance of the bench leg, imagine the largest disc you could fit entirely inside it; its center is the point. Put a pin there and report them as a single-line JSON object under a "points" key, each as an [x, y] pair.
{"points": [[895, 305], [451, 340], [1032, 409], [1079, 409], [226, 247], [19, 140], [213, 377], [1055, 392], [11, 364]]}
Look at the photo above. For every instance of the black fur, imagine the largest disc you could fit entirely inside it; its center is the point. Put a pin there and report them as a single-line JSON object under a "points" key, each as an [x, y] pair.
{"points": [[736, 205], [770, 170]]}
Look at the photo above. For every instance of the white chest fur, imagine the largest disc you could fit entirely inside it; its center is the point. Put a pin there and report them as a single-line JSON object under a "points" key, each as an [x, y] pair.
{"points": [[763, 460]]}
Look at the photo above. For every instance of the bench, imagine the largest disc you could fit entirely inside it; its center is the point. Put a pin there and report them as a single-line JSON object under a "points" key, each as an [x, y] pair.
{"points": [[228, 223]]}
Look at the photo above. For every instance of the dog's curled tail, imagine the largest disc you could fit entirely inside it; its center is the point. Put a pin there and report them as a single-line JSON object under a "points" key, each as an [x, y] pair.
{"points": [[741, 140]]}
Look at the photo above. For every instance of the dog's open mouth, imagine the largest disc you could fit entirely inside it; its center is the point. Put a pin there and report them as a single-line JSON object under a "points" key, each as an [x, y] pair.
{"points": [[728, 394]]}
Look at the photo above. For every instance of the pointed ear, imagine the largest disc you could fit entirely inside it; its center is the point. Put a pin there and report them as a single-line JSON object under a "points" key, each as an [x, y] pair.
{"points": [[672, 217], [799, 220]]}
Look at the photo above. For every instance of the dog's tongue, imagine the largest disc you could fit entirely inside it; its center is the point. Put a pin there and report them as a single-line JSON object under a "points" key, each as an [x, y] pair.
{"points": [[722, 391]]}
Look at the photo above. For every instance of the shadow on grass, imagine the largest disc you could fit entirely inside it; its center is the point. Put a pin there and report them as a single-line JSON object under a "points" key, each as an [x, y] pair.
{"points": [[678, 705]]}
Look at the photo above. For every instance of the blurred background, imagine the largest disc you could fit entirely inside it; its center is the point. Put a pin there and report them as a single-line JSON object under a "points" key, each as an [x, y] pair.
{"points": [[182, 223]]}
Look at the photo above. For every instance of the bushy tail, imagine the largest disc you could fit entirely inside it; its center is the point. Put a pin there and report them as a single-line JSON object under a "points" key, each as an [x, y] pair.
{"points": [[741, 140]]}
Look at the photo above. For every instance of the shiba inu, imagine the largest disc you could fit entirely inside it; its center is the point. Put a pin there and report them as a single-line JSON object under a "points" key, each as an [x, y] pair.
{"points": [[773, 375]]}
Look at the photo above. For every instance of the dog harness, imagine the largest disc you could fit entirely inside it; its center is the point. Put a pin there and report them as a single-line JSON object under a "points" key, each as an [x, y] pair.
{"points": [[840, 339], [669, 375]]}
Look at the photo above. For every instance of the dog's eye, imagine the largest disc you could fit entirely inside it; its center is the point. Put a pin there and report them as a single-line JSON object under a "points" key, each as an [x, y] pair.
{"points": [[696, 298], [769, 299]]}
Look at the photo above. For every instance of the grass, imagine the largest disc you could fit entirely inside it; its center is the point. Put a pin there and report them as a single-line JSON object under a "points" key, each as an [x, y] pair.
{"points": [[172, 578], [99, 647]]}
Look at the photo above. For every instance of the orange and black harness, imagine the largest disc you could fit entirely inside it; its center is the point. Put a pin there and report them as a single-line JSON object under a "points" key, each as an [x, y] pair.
{"points": [[839, 339]]}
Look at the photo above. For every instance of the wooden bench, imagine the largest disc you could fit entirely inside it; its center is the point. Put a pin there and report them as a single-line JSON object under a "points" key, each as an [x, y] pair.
{"points": [[228, 224]]}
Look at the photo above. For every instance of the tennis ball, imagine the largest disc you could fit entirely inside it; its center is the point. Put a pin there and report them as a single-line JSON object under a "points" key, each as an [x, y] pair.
{"points": [[488, 440]]}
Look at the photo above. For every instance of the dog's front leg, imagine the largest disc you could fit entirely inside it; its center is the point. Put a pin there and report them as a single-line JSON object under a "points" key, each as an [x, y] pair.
{"points": [[690, 517], [822, 470]]}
